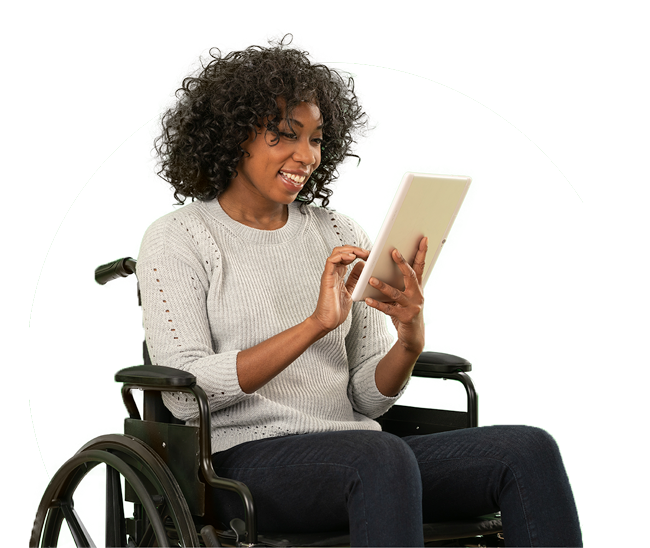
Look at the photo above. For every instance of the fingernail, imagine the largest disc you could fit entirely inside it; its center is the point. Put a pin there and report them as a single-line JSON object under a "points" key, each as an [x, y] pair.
{"points": [[373, 281]]}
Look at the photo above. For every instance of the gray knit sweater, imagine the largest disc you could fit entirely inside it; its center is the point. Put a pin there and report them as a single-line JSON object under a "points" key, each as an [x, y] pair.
{"points": [[212, 287]]}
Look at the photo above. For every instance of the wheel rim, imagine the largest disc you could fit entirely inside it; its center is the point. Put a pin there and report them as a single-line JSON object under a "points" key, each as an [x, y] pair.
{"points": [[148, 477], [154, 469]]}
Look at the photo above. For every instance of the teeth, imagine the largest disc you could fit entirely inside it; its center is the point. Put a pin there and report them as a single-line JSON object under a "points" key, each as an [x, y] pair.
{"points": [[296, 178]]}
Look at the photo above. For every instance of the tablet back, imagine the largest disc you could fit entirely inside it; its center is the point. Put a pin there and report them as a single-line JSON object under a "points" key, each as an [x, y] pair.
{"points": [[424, 205]]}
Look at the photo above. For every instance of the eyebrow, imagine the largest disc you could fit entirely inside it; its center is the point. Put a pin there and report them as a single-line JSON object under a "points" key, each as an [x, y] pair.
{"points": [[294, 121]]}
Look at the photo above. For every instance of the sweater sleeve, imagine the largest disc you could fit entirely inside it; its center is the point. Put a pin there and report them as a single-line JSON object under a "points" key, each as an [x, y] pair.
{"points": [[367, 342], [175, 274]]}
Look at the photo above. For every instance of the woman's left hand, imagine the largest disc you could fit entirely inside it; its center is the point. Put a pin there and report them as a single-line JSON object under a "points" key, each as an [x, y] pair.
{"points": [[405, 307]]}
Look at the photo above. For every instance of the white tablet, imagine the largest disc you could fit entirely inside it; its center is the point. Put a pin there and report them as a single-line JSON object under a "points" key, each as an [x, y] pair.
{"points": [[424, 205]]}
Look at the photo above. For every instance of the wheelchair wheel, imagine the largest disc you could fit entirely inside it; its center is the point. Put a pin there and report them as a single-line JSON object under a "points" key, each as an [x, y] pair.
{"points": [[161, 516]]}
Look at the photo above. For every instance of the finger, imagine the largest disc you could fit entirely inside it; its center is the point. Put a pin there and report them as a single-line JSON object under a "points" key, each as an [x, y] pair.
{"points": [[343, 257], [353, 278], [398, 313], [336, 265], [410, 277], [387, 308], [358, 251], [392, 293], [420, 258]]}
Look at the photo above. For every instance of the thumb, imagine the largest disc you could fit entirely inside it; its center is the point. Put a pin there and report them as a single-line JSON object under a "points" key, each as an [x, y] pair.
{"points": [[353, 278]]}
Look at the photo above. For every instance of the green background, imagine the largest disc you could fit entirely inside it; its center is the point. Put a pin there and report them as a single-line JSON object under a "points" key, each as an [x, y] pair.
{"points": [[90, 89]]}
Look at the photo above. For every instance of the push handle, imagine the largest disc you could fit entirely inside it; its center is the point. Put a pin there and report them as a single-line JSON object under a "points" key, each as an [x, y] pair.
{"points": [[117, 269]]}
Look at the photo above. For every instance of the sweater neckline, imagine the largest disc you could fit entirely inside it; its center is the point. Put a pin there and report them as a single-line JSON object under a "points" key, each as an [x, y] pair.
{"points": [[295, 222]]}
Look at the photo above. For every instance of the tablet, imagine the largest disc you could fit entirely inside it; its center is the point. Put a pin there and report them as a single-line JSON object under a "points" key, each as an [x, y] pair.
{"points": [[424, 205]]}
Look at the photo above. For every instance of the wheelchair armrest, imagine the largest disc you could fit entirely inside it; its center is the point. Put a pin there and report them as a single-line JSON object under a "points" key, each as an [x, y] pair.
{"points": [[437, 362], [155, 376], [159, 378], [447, 366]]}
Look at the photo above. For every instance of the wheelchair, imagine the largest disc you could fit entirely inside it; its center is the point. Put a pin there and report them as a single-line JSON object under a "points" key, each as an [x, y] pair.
{"points": [[167, 467]]}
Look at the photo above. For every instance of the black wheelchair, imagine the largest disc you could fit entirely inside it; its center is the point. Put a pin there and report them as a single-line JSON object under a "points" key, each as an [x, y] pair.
{"points": [[167, 465]]}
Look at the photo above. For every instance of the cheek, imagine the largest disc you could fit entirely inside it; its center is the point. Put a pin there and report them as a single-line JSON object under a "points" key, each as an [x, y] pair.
{"points": [[263, 159], [251, 163]]}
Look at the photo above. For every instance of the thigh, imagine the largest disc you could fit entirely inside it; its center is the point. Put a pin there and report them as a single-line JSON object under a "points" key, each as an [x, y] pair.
{"points": [[515, 469], [304, 483], [468, 471], [462, 472]]}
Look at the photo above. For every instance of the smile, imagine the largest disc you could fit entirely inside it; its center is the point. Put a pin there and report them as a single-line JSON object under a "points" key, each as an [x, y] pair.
{"points": [[296, 180]]}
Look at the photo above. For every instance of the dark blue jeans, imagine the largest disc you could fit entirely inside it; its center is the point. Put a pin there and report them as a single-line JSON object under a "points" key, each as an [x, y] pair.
{"points": [[383, 487]]}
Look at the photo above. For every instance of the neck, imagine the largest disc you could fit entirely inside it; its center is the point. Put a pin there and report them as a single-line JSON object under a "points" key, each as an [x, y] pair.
{"points": [[253, 215]]}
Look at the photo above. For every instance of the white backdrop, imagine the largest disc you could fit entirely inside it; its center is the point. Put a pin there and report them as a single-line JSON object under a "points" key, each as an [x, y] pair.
{"points": [[552, 310], [507, 291]]}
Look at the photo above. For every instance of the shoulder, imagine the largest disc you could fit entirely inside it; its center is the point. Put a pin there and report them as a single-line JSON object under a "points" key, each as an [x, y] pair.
{"points": [[176, 232], [342, 227], [172, 221]]}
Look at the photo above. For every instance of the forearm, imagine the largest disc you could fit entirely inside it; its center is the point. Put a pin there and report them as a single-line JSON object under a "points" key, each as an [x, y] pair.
{"points": [[394, 369], [405, 310], [259, 364]]}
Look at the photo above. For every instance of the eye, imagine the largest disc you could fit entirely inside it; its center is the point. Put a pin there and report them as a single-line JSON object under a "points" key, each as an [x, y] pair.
{"points": [[288, 135], [318, 140]]}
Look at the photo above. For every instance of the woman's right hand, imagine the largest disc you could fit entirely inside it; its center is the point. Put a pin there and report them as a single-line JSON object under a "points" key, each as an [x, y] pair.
{"points": [[335, 298], [258, 364]]}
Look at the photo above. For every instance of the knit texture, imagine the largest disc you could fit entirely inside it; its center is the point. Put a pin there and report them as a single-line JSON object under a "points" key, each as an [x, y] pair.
{"points": [[212, 287]]}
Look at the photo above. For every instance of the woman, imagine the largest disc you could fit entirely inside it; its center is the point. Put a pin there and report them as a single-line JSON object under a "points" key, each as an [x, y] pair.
{"points": [[249, 287]]}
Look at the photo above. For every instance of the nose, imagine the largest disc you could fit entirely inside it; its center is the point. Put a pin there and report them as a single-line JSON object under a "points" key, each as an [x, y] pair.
{"points": [[304, 153]]}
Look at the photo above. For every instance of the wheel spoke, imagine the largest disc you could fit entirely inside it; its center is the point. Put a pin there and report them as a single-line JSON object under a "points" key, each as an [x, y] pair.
{"points": [[161, 514], [115, 524], [148, 536], [77, 529]]}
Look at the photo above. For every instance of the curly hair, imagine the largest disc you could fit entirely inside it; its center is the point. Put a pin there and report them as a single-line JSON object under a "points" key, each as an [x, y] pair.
{"points": [[202, 135]]}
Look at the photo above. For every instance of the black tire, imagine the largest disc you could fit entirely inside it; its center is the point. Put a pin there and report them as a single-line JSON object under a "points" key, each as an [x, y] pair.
{"points": [[161, 515]]}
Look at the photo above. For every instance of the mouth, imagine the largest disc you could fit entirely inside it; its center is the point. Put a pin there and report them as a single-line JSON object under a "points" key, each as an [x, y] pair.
{"points": [[294, 180]]}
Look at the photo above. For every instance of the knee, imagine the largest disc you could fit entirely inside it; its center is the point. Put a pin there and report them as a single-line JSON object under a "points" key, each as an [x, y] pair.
{"points": [[382, 447], [385, 457], [529, 446], [533, 440]]}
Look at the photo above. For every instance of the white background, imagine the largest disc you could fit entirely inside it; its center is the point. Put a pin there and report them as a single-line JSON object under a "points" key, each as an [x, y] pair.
{"points": [[542, 285]]}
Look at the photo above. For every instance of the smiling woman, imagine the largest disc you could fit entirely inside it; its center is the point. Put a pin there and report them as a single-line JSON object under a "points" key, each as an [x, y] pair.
{"points": [[249, 288], [223, 106], [271, 175]]}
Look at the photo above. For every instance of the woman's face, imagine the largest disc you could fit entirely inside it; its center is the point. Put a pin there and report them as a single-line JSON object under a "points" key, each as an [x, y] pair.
{"points": [[277, 173]]}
